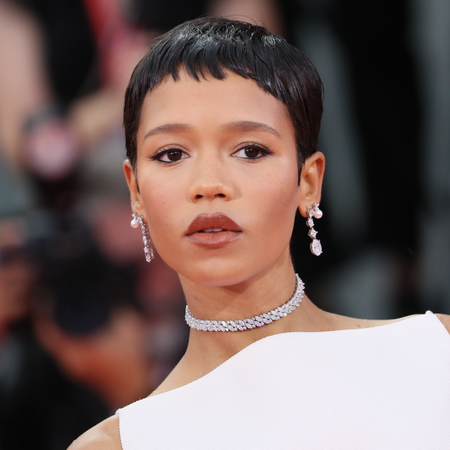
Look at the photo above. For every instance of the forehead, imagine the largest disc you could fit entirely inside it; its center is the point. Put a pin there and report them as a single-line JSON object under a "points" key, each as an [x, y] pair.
{"points": [[211, 103]]}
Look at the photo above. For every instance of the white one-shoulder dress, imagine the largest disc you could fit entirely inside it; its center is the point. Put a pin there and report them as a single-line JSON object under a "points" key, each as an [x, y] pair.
{"points": [[386, 387]]}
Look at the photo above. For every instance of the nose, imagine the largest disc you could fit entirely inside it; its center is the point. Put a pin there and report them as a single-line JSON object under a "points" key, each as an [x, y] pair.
{"points": [[210, 182]]}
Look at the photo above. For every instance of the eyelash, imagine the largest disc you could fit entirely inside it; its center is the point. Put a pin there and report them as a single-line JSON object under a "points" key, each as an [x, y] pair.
{"points": [[156, 157], [262, 149], [265, 151]]}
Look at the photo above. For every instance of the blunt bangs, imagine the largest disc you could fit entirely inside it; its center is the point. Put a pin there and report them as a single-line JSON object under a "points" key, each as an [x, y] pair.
{"points": [[209, 47]]}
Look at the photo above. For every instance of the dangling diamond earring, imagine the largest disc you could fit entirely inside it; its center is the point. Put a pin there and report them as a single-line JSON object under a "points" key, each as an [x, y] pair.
{"points": [[314, 211], [148, 250]]}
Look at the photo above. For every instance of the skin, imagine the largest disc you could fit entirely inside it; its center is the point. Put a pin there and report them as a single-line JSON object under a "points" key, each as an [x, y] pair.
{"points": [[251, 274]]}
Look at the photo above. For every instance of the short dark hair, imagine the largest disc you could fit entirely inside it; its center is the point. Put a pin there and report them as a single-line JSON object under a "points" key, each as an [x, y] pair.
{"points": [[207, 47]]}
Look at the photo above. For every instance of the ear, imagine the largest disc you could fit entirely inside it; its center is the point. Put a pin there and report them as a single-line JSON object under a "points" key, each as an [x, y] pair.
{"points": [[130, 176], [310, 189]]}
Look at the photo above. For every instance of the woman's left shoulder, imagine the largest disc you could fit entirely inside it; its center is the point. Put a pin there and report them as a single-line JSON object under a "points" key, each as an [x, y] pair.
{"points": [[445, 319], [104, 436]]}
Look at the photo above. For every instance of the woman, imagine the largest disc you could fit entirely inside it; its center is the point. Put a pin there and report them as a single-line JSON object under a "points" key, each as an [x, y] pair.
{"points": [[221, 121]]}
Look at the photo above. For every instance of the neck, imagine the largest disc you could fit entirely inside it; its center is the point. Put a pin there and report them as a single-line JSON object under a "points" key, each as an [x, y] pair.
{"points": [[233, 299], [207, 350], [251, 297]]}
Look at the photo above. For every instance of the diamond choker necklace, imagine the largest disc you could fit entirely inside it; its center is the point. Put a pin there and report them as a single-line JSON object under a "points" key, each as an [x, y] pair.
{"points": [[253, 322]]}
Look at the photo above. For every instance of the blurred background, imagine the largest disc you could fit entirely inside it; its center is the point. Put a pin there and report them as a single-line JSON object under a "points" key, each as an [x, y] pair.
{"points": [[86, 325]]}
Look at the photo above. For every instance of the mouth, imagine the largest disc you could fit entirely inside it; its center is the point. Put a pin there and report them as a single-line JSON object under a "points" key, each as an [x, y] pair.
{"points": [[213, 230]]}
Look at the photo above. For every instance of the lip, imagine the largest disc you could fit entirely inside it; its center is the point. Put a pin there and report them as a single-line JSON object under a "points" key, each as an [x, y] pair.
{"points": [[204, 230]]}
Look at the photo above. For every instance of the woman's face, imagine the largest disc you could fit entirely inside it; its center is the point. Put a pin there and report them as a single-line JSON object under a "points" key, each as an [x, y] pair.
{"points": [[218, 178]]}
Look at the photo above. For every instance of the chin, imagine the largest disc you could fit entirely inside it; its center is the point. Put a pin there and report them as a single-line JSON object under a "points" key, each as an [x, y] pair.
{"points": [[212, 277], [221, 274]]}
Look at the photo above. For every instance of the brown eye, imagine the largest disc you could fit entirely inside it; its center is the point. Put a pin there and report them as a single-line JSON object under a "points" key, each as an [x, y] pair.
{"points": [[252, 152], [170, 156], [174, 155]]}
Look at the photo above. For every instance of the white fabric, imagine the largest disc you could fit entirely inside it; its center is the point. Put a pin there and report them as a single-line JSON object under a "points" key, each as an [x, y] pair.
{"points": [[386, 387]]}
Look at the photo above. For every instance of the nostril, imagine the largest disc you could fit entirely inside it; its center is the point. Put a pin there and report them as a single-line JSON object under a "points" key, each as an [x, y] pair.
{"points": [[216, 190]]}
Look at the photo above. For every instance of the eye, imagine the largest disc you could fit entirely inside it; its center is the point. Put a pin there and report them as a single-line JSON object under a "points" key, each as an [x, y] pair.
{"points": [[170, 155], [252, 151]]}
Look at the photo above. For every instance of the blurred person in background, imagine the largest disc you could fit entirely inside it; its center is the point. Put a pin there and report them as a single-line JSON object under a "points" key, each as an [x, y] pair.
{"points": [[86, 318], [72, 347], [34, 394]]}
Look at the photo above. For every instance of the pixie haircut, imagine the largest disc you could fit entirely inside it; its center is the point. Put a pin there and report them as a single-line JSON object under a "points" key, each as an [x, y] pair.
{"points": [[208, 47]]}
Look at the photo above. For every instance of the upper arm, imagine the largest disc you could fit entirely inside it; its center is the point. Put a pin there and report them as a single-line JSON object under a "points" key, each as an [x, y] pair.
{"points": [[445, 319], [104, 436]]}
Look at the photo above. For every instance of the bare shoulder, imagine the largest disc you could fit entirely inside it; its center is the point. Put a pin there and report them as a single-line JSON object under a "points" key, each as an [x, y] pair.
{"points": [[338, 322], [445, 319], [104, 436]]}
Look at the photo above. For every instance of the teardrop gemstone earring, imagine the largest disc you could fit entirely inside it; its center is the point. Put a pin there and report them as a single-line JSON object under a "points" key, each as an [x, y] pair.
{"points": [[314, 211], [148, 250]]}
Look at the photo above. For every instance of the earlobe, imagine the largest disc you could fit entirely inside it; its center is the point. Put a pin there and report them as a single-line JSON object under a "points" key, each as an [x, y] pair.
{"points": [[135, 196], [310, 189]]}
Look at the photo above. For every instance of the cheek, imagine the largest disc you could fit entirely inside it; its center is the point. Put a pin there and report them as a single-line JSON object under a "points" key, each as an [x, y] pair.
{"points": [[275, 203], [162, 199]]}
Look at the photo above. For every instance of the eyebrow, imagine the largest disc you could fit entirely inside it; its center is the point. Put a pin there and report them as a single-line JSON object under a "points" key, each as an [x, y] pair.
{"points": [[240, 125], [248, 125], [168, 128]]}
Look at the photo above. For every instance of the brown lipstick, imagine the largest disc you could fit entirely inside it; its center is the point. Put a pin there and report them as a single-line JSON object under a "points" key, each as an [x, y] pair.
{"points": [[213, 230]]}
